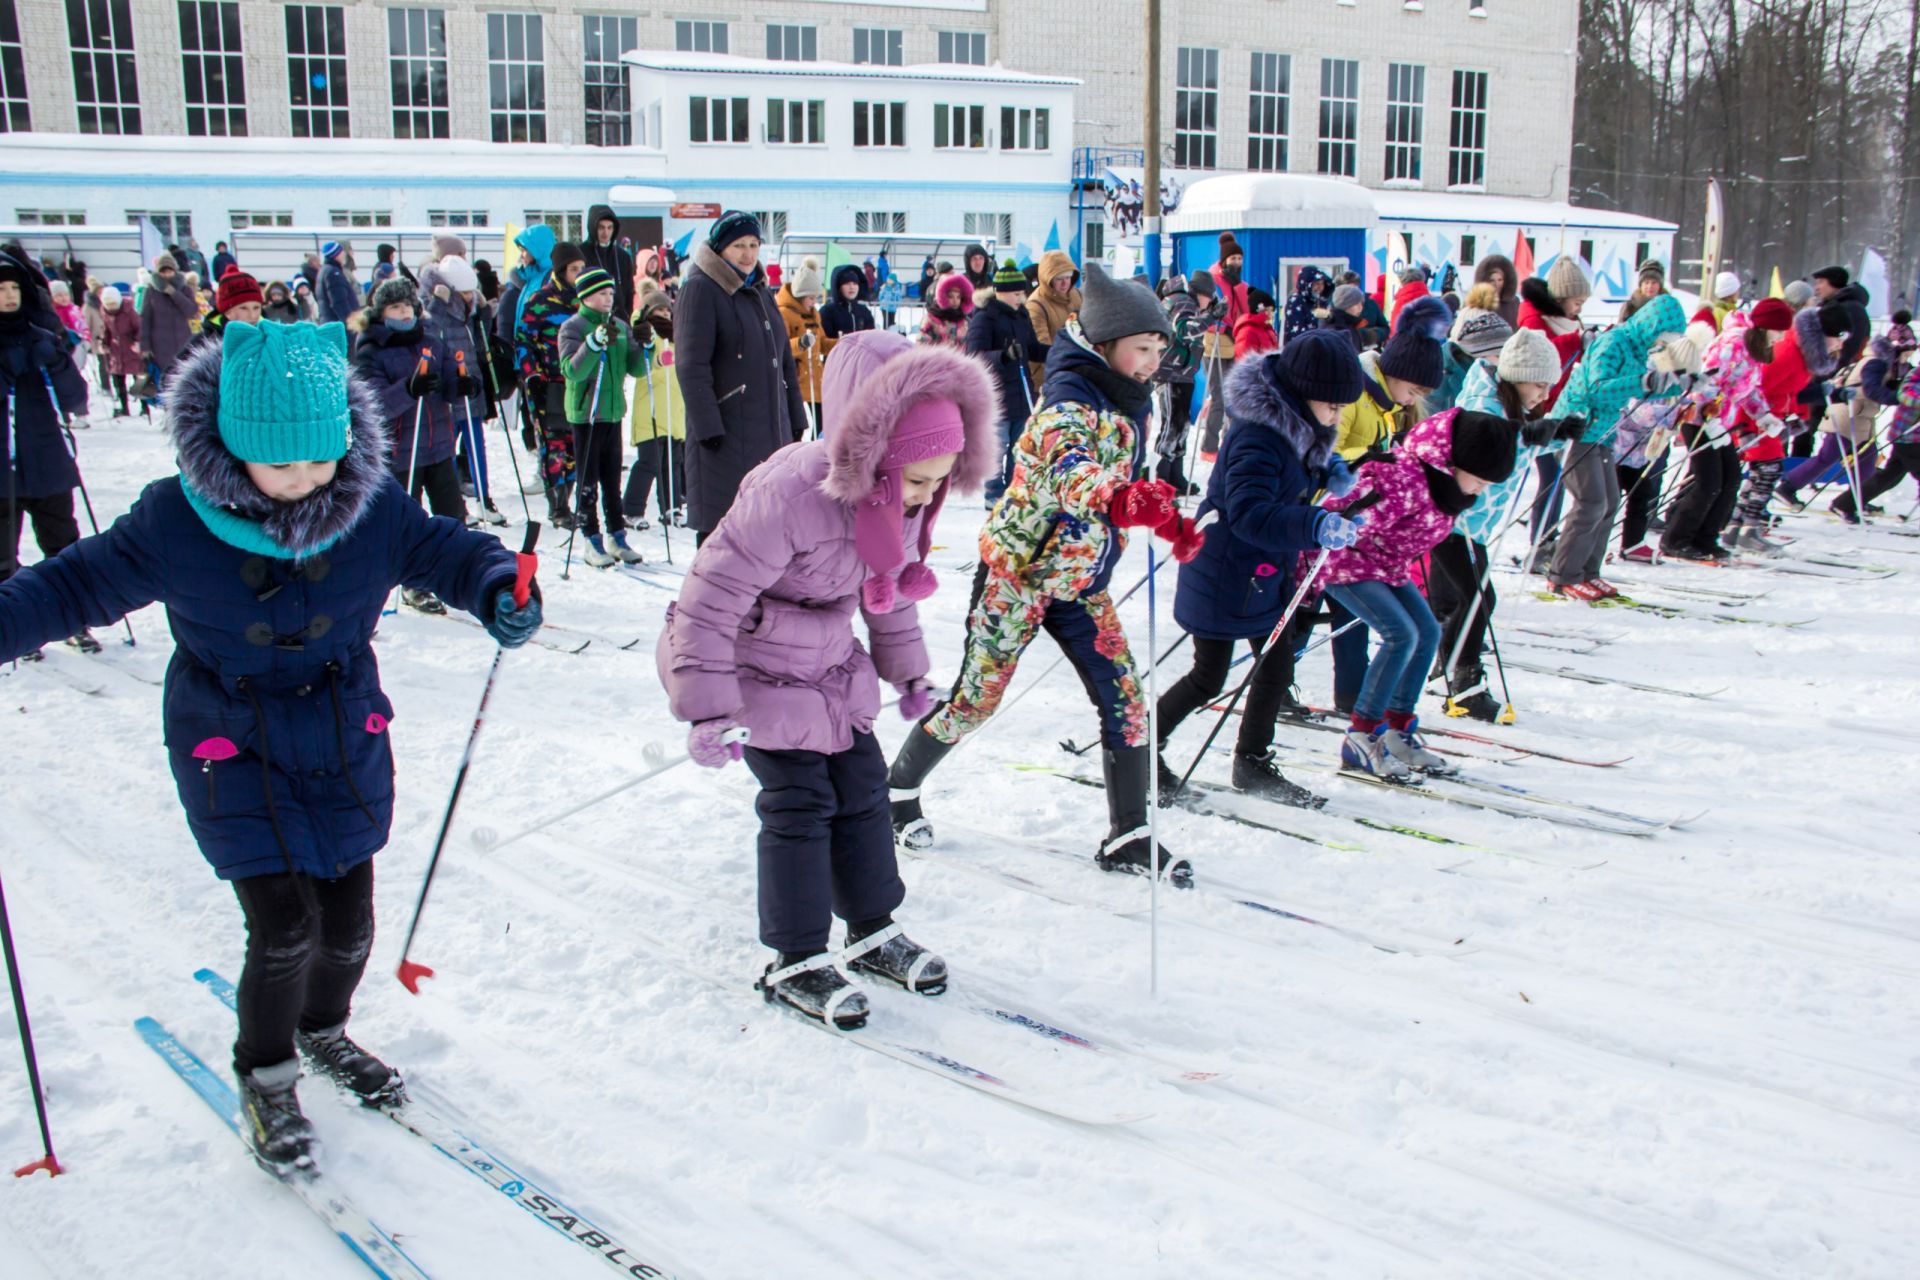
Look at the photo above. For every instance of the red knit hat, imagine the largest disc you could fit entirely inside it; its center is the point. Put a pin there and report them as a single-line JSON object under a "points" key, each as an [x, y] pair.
{"points": [[235, 288], [1772, 313]]}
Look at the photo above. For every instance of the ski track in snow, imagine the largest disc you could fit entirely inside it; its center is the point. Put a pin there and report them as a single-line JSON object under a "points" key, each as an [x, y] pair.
{"points": [[1688, 1056]]}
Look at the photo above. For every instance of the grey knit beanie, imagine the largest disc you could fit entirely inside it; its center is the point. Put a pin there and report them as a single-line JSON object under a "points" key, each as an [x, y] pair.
{"points": [[1567, 279], [1348, 295], [1483, 335], [1799, 294], [1529, 356], [1112, 308]]}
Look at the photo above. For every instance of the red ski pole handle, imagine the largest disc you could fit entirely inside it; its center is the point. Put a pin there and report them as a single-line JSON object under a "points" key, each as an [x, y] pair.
{"points": [[525, 562]]}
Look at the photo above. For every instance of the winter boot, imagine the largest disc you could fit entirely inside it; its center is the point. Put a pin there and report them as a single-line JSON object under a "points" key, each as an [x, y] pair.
{"points": [[880, 948], [492, 514], [918, 756], [1749, 540], [424, 601], [1258, 775], [1292, 707], [1469, 695], [626, 553], [1127, 846], [1169, 777], [811, 986], [560, 507], [83, 641], [271, 1119], [596, 555], [1403, 744], [334, 1055], [1363, 751]]}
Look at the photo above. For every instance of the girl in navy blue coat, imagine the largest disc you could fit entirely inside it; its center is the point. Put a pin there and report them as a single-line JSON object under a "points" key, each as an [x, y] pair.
{"points": [[274, 550], [1285, 412]]}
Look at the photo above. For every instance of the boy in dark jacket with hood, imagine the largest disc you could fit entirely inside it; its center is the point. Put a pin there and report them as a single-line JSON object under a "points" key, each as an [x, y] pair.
{"points": [[604, 250], [1001, 334], [274, 550], [846, 312]]}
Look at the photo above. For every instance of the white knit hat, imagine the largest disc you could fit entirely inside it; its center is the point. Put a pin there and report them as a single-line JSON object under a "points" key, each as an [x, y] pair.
{"points": [[1726, 285], [1529, 356], [806, 281], [458, 274], [108, 294]]}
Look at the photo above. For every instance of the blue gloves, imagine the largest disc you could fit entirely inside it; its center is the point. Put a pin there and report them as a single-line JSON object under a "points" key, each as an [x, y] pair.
{"points": [[1335, 532], [513, 626], [1340, 477]]}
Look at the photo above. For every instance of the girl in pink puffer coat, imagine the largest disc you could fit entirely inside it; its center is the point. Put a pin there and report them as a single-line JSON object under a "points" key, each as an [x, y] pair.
{"points": [[762, 639]]}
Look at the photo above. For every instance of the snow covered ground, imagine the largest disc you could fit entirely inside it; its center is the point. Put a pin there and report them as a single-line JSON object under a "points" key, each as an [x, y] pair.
{"points": [[1588, 1055]]}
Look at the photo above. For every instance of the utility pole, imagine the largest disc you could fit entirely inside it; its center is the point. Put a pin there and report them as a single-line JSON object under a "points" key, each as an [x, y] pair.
{"points": [[1150, 183]]}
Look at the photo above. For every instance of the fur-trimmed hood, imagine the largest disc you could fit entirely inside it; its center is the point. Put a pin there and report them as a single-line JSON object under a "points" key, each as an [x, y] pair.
{"points": [[1483, 274], [1256, 392], [212, 473], [1810, 336], [872, 379], [1534, 292], [953, 297]]}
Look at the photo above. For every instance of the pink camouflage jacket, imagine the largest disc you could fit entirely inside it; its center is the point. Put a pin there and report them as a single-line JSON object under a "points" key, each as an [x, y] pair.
{"points": [[1404, 524]]}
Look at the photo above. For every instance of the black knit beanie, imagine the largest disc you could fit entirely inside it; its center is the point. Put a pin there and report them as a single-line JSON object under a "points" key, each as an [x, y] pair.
{"points": [[1484, 446], [1320, 364]]}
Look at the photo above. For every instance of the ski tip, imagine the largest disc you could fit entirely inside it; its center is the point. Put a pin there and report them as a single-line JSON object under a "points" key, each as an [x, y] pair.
{"points": [[410, 974]]}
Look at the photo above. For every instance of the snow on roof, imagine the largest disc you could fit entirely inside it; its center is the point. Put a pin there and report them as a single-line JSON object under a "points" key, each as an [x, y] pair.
{"points": [[1457, 206], [1300, 200], [361, 161], [728, 64]]}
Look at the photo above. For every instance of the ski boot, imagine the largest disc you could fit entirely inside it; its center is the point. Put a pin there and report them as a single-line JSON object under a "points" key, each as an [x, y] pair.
{"points": [[334, 1055], [918, 756], [1404, 745], [1170, 789], [1576, 591], [272, 1122], [492, 514], [1258, 775], [1363, 751], [1640, 553], [595, 555], [425, 601], [880, 948], [1606, 590], [1750, 540], [1128, 846], [84, 641], [1839, 512], [811, 986], [1468, 695], [559, 510], [626, 553], [1293, 707]]}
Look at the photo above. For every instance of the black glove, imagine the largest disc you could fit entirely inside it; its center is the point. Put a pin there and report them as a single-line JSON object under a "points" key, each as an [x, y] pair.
{"points": [[1539, 433], [1014, 354], [713, 442], [642, 330], [422, 382], [466, 386], [1571, 427]]}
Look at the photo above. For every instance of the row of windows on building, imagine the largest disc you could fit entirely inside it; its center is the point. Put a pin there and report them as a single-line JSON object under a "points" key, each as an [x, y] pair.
{"points": [[803, 122], [1196, 137], [213, 73]]}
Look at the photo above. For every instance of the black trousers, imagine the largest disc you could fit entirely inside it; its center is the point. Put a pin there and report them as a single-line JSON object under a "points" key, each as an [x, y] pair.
{"points": [[1707, 494], [54, 527], [1904, 461], [649, 474], [826, 842], [597, 466], [1212, 663], [1455, 567], [302, 968], [440, 482], [1641, 495]]}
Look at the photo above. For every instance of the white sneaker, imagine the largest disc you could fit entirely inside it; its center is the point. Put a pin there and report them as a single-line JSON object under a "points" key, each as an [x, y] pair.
{"points": [[1405, 746], [1365, 753]]}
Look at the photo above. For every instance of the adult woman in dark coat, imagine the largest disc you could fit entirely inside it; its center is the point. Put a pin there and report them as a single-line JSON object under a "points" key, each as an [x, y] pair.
{"points": [[736, 369]]}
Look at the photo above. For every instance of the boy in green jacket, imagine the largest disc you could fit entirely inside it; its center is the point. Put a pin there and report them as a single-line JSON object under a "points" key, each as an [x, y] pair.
{"points": [[598, 353]]}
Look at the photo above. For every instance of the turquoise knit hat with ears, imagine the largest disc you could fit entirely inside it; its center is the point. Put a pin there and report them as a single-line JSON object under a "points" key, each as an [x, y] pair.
{"points": [[283, 392]]}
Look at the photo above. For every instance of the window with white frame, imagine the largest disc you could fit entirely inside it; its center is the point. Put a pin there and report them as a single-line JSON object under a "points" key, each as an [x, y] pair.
{"points": [[1270, 91], [965, 48], [880, 223], [174, 225], [1406, 120], [317, 70], [700, 37], [997, 227], [1467, 131], [213, 72], [879, 46], [417, 69], [15, 116], [106, 88], [50, 217], [241, 219], [773, 224], [797, 121], [791, 42], [1339, 117], [1196, 108], [1024, 128], [959, 126], [566, 226], [517, 76], [456, 217], [609, 100], [879, 124], [360, 217], [717, 119]]}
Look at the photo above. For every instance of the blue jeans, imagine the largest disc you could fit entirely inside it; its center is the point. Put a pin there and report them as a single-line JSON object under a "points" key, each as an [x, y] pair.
{"points": [[1408, 636]]}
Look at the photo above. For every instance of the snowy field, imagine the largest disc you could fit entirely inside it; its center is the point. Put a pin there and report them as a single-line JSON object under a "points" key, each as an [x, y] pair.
{"points": [[1538, 1051]]}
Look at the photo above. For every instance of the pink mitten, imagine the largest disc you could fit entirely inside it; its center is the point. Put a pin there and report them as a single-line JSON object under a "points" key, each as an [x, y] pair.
{"points": [[708, 746], [916, 699]]}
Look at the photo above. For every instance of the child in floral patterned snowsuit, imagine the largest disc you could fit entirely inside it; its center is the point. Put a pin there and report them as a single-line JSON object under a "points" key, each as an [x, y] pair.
{"points": [[1047, 554]]}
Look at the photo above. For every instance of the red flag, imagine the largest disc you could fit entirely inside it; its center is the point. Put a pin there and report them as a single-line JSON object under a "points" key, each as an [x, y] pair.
{"points": [[1522, 255]]}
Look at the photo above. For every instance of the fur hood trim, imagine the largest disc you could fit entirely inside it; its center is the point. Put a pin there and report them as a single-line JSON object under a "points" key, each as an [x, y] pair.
{"points": [[1256, 394], [1812, 341], [1534, 290], [227, 498]]}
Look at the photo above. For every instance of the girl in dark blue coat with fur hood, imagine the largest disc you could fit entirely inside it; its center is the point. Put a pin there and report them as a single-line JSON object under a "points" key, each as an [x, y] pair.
{"points": [[1284, 411], [274, 550]]}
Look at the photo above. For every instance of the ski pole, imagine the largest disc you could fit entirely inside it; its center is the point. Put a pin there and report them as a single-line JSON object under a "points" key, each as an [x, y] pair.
{"points": [[582, 499], [1153, 786], [411, 972], [506, 427], [476, 444], [485, 839], [73, 451], [419, 407], [1506, 695], [14, 530], [47, 1162]]}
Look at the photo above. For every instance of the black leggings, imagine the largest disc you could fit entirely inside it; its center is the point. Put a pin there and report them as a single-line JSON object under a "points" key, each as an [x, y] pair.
{"points": [[597, 470], [301, 971], [1903, 462], [1212, 661], [54, 527], [440, 482], [649, 475], [1705, 499], [1455, 566]]}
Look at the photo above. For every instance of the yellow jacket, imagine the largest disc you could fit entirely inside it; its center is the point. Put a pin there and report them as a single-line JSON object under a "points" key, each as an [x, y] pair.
{"points": [[1372, 420], [655, 406]]}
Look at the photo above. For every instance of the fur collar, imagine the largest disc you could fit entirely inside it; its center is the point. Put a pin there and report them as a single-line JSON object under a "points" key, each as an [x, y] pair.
{"points": [[237, 513], [1812, 341], [1255, 393], [720, 271]]}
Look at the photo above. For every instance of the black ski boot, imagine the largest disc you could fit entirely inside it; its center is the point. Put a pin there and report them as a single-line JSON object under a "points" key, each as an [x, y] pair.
{"points": [[918, 756], [1170, 789], [425, 601], [1468, 695], [880, 948], [1127, 846], [334, 1055], [1259, 775], [811, 986], [84, 641], [271, 1120]]}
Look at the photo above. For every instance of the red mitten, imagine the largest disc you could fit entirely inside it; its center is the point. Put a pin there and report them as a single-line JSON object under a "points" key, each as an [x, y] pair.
{"points": [[1144, 502], [1186, 536]]}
